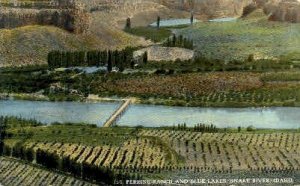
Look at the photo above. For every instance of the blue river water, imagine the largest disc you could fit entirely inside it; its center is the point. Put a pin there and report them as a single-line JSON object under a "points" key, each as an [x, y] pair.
{"points": [[152, 115]]}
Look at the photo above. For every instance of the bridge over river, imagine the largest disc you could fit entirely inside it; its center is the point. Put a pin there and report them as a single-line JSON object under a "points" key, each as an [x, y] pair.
{"points": [[117, 114]]}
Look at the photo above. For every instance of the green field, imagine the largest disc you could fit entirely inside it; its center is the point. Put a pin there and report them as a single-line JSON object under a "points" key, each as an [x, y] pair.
{"points": [[251, 35]]}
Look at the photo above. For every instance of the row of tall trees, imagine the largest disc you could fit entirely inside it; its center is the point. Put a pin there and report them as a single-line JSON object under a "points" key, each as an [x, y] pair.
{"points": [[120, 59], [205, 128], [179, 41], [3, 124], [98, 174], [89, 172], [197, 128]]}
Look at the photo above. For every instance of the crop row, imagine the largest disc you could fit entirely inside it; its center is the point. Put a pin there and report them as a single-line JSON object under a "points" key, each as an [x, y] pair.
{"points": [[182, 86], [234, 151], [254, 96], [134, 153], [99, 163]]}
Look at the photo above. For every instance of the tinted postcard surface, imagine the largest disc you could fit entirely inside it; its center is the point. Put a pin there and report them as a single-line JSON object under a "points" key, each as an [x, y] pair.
{"points": [[149, 92]]}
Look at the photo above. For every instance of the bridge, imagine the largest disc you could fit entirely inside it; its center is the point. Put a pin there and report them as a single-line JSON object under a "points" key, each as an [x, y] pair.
{"points": [[117, 114]]}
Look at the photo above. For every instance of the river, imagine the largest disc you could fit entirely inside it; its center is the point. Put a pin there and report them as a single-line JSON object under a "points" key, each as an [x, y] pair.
{"points": [[50, 112], [152, 115]]}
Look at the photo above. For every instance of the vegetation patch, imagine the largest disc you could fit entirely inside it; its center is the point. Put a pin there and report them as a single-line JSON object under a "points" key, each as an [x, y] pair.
{"points": [[253, 34]]}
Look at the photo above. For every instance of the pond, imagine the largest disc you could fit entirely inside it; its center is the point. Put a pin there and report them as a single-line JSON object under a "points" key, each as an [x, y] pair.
{"points": [[174, 22], [87, 70], [224, 19], [153, 115]]}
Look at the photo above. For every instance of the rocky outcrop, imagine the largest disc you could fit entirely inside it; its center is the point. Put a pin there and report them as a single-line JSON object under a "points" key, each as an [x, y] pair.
{"points": [[65, 15], [158, 53], [201, 8], [210, 8], [287, 11]]}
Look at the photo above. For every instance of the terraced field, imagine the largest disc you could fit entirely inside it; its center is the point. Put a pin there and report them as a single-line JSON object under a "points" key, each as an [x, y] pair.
{"points": [[15, 173]]}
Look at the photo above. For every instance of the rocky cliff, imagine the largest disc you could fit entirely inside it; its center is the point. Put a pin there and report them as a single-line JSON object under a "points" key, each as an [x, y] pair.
{"points": [[74, 15], [279, 10], [210, 8], [286, 10], [203, 8], [63, 14]]}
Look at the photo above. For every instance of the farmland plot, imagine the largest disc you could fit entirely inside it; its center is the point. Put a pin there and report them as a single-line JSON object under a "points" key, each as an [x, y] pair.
{"points": [[135, 154], [233, 151], [16, 173]]}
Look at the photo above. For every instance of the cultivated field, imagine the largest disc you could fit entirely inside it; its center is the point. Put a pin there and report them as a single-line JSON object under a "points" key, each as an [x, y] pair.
{"points": [[13, 172], [233, 151], [193, 84], [158, 149], [119, 153], [223, 89]]}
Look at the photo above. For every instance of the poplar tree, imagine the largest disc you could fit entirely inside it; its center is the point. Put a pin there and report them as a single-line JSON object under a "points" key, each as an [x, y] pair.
{"points": [[128, 23], [158, 22], [109, 62]]}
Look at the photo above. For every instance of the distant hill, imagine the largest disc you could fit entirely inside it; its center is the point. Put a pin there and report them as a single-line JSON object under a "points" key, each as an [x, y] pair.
{"points": [[31, 44]]}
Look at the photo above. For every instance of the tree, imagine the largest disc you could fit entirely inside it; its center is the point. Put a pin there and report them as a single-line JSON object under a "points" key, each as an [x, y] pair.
{"points": [[251, 58], [145, 57], [109, 62], [174, 40], [192, 18], [55, 18], [128, 23], [158, 22], [132, 63]]}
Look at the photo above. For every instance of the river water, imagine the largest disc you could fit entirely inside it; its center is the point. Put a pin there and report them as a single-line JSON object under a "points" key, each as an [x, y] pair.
{"points": [[152, 115], [50, 112]]}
